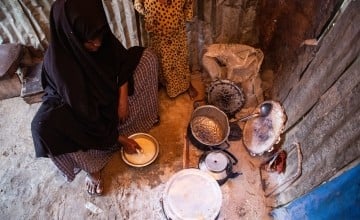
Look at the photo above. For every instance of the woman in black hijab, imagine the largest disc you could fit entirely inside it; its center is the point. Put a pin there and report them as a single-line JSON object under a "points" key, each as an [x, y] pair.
{"points": [[96, 92]]}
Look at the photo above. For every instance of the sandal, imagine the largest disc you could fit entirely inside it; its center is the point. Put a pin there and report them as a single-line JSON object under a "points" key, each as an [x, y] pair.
{"points": [[93, 186]]}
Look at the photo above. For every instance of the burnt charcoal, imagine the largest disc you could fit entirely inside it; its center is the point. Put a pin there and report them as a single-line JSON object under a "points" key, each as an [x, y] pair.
{"points": [[235, 132]]}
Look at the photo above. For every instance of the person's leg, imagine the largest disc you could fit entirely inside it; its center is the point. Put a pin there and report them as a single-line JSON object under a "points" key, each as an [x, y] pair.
{"points": [[94, 183], [91, 161]]}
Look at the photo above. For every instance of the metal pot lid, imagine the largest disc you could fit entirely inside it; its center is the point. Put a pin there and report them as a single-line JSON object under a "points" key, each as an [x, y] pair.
{"points": [[192, 194], [216, 161], [225, 95]]}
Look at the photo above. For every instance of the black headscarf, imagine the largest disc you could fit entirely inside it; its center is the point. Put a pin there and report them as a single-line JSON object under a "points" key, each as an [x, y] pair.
{"points": [[86, 82]]}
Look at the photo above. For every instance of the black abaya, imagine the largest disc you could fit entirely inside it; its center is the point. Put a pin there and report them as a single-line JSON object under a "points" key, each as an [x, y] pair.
{"points": [[79, 109]]}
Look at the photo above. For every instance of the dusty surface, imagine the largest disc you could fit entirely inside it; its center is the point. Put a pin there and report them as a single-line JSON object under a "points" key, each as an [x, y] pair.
{"points": [[32, 188]]}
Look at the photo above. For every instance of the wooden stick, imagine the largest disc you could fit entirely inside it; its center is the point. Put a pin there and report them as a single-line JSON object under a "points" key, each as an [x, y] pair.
{"points": [[186, 152]]}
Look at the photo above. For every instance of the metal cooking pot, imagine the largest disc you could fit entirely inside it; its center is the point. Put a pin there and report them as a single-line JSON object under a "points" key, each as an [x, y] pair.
{"points": [[219, 164], [209, 128]]}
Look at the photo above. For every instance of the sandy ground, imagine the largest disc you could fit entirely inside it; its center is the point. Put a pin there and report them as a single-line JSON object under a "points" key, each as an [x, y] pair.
{"points": [[32, 188]]}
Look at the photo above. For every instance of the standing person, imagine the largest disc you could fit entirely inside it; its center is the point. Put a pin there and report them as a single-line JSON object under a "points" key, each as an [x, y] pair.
{"points": [[165, 21], [96, 93]]}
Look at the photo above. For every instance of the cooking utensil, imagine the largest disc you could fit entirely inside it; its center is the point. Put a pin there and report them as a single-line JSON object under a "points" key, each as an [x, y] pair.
{"points": [[191, 194], [209, 127], [226, 95], [186, 152], [261, 133], [219, 164], [148, 153], [264, 110]]}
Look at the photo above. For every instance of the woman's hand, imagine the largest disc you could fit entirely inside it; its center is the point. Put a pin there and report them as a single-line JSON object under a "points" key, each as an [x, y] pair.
{"points": [[123, 108], [130, 146]]}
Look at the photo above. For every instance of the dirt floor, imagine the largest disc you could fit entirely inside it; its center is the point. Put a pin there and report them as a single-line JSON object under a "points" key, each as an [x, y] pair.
{"points": [[32, 188]]}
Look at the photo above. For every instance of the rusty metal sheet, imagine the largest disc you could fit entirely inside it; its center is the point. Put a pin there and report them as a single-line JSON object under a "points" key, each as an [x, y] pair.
{"points": [[27, 22]]}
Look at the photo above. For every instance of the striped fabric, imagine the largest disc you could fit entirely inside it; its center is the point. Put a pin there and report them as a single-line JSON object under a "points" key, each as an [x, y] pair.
{"points": [[144, 109], [144, 103]]}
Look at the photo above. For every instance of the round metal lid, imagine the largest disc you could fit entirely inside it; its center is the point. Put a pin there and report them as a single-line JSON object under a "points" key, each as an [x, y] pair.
{"points": [[226, 95], [216, 161], [192, 194]]}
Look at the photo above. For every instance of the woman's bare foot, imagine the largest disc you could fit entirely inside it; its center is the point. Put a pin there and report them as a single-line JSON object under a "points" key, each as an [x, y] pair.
{"points": [[192, 92], [94, 183]]}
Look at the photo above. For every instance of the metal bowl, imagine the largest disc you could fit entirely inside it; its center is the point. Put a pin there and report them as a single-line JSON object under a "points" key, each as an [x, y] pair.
{"points": [[150, 150]]}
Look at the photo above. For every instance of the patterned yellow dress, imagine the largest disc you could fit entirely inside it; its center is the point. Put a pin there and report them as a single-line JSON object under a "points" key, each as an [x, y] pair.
{"points": [[165, 21]]}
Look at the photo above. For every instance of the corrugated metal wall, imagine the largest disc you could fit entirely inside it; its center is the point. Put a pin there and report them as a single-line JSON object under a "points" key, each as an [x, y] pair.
{"points": [[27, 22], [24, 22], [319, 89], [215, 21]]}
